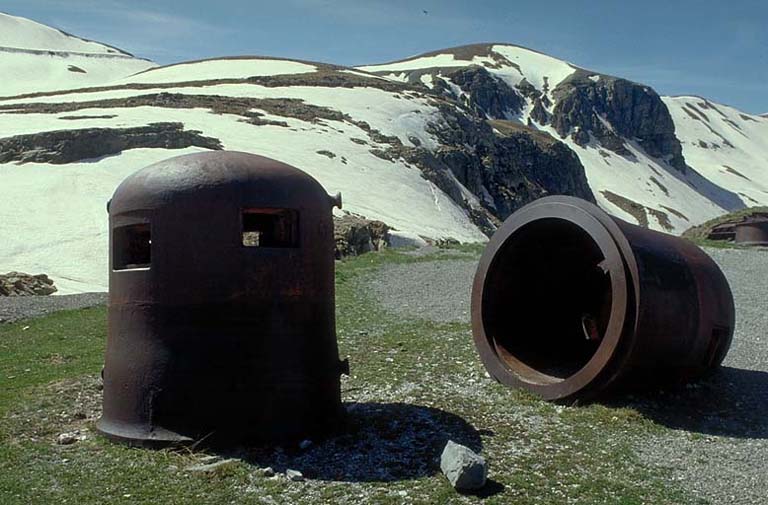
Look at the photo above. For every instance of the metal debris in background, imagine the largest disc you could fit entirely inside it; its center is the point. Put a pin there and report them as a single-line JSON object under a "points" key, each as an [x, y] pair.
{"points": [[569, 302], [743, 230], [221, 304], [752, 232]]}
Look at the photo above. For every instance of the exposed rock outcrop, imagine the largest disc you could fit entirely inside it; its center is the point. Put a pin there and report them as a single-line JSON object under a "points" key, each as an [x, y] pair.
{"points": [[493, 171], [486, 94], [21, 284], [611, 108], [355, 235], [505, 166], [67, 146]]}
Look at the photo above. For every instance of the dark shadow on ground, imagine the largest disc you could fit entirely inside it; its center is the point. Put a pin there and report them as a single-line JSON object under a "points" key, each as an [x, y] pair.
{"points": [[491, 488], [732, 402], [383, 442]]}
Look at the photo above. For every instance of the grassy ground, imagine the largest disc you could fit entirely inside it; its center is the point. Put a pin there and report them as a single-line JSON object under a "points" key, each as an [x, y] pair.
{"points": [[414, 384]]}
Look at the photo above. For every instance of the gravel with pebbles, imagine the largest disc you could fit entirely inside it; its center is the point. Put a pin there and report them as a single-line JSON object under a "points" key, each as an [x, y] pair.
{"points": [[718, 442], [14, 308], [435, 290]]}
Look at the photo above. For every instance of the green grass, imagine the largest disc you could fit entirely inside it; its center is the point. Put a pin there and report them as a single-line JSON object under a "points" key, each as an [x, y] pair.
{"points": [[538, 452]]}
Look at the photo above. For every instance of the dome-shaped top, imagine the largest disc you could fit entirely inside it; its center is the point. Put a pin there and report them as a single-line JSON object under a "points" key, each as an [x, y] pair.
{"points": [[235, 177]]}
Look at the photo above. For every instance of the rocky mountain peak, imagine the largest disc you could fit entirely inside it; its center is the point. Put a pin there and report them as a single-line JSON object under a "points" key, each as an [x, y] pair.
{"points": [[615, 111], [485, 93]]}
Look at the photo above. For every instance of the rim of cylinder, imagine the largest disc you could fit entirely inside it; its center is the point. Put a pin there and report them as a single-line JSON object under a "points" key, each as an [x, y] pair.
{"points": [[603, 232]]}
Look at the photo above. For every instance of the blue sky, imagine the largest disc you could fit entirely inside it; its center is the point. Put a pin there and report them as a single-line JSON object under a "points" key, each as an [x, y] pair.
{"points": [[716, 49]]}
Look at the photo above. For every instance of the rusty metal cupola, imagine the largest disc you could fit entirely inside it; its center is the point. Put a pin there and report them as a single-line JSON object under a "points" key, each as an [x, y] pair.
{"points": [[221, 303], [569, 302]]}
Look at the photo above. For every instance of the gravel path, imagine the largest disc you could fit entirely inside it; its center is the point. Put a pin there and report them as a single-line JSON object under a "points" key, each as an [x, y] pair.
{"points": [[718, 445], [13, 308], [435, 290]]}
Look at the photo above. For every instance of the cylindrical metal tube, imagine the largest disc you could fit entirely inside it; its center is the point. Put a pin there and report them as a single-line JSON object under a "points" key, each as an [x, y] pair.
{"points": [[221, 303], [752, 233], [569, 302]]}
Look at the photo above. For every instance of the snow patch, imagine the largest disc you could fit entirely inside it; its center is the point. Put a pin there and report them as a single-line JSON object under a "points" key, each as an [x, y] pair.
{"points": [[21, 33], [234, 68]]}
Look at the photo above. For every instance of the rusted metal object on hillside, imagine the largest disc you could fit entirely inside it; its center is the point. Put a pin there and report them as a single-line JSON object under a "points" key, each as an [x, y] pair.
{"points": [[569, 302], [752, 232], [221, 304], [746, 230]]}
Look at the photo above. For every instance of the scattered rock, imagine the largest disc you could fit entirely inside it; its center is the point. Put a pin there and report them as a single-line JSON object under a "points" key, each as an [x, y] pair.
{"points": [[305, 444], [213, 467], [464, 469], [68, 438], [355, 235], [21, 284], [294, 475], [268, 472]]}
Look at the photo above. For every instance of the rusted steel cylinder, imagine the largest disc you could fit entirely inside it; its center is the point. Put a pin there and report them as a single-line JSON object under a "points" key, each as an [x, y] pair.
{"points": [[569, 302], [752, 233], [221, 304]]}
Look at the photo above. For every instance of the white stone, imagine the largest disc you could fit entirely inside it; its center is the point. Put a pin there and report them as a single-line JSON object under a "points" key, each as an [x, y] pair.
{"points": [[294, 475]]}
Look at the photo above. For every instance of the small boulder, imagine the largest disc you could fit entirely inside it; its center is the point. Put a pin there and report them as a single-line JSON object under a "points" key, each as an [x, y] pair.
{"points": [[294, 475], [214, 467], [355, 235], [21, 284], [67, 438], [464, 469]]}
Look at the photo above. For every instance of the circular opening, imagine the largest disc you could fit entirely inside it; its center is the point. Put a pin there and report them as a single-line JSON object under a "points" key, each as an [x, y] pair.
{"points": [[547, 300]]}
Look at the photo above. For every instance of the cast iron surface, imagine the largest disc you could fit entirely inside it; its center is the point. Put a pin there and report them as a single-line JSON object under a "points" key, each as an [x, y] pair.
{"points": [[752, 233], [570, 303], [212, 338]]}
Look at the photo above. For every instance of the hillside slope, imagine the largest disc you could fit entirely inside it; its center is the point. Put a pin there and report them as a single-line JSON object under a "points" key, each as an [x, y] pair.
{"points": [[648, 159], [398, 154], [41, 58], [444, 145]]}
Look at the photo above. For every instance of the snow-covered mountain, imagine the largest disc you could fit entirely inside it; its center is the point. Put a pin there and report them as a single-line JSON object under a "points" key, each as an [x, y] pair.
{"points": [[443, 145], [35, 57], [664, 162]]}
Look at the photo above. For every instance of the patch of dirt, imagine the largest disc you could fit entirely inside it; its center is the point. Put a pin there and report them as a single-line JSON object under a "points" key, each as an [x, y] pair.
{"points": [[67, 146], [662, 218], [660, 185], [675, 212], [733, 171], [632, 208], [85, 116]]}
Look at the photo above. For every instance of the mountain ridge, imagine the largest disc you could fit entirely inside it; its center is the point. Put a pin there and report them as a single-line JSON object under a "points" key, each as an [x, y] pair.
{"points": [[437, 152]]}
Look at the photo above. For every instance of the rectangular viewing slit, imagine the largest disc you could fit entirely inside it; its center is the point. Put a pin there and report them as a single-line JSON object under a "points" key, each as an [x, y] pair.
{"points": [[131, 246], [270, 228]]}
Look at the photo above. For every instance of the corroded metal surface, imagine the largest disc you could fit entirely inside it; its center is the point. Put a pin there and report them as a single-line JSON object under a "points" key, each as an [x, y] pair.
{"points": [[221, 304], [569, 302], [752, 232]]}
